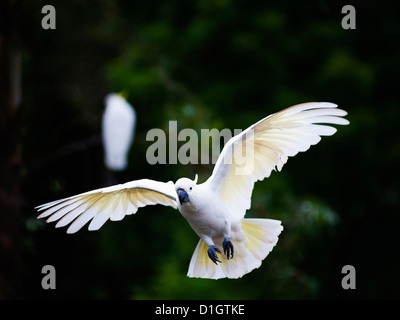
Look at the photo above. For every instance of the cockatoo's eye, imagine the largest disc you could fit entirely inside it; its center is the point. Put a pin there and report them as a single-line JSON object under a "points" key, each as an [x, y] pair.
{"points": [[190, 188]]}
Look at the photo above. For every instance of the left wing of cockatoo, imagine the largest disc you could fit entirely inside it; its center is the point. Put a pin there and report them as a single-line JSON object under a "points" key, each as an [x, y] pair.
{"points": [[266, 145], [107, 203]]}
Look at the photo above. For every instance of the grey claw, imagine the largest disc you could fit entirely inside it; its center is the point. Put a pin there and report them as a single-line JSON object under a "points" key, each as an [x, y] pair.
{"points": [[228, 248], [212, 254]]}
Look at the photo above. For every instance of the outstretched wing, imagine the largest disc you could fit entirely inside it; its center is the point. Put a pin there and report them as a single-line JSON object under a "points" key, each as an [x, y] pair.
{"points": [[266, 145], [107, 203]]}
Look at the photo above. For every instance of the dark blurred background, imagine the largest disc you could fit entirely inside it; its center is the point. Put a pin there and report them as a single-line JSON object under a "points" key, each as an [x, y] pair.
{"points": [[207, 64]]}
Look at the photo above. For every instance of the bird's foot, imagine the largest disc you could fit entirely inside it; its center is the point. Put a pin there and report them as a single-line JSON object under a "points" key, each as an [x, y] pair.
{"points": [[228, 248], [212, 254]]}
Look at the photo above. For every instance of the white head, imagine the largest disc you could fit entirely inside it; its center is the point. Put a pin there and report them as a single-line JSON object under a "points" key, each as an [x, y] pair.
{"points": [[184, 187]]}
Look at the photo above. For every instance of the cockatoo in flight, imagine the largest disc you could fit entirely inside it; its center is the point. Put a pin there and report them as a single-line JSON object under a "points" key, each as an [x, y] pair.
{"points": [[230, 246]]}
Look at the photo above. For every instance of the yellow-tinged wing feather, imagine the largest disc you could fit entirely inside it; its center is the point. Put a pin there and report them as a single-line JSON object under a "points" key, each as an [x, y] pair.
{"points": [[265, 146], [107, 203]]}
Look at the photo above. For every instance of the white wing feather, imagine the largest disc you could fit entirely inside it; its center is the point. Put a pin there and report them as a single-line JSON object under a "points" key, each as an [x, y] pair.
{"points": [[266, 145], [107, 203]]}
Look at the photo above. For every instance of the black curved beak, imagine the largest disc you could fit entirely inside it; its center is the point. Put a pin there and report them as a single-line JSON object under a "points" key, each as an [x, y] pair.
{"points": [[183, 196]]}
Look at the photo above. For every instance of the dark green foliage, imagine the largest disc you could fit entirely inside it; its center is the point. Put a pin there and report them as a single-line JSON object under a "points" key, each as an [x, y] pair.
{"points": [[213, 64]]}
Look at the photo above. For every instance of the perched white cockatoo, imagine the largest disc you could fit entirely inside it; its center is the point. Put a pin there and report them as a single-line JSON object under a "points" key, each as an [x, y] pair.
{"points": [[118, 127], [230, 245]]}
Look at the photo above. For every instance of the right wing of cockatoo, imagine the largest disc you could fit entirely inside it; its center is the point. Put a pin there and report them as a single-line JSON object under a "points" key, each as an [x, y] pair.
{"points": [[107, 203], [266, 145]]}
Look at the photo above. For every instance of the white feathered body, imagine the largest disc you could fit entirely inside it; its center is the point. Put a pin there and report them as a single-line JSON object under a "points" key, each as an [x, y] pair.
{"points": [[206, 214], [213, 221]]}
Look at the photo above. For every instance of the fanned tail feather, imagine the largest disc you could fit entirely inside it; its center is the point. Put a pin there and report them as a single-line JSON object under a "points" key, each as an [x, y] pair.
{"points": [[261, 235]]}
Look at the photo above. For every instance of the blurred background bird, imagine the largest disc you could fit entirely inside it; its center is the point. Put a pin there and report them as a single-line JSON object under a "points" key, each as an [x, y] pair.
{"points": [[118, 129]]}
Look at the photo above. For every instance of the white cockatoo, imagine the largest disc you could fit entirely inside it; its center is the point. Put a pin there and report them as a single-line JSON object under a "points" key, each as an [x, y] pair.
{"points": [[118, 126], [230, 245]]}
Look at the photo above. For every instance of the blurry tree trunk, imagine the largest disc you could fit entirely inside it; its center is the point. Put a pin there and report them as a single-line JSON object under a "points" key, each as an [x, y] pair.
{"points": [[10, 101]]}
